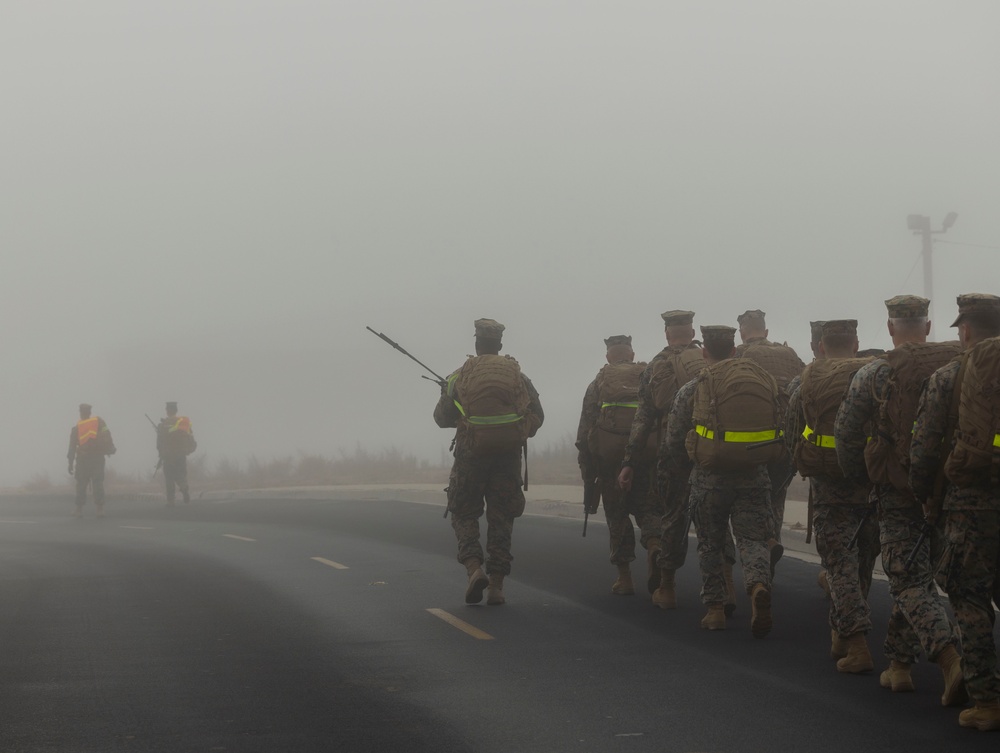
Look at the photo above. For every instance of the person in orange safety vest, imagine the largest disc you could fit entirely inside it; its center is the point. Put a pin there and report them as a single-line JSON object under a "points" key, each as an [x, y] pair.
{"points": [[174, 442], [89, 443]]}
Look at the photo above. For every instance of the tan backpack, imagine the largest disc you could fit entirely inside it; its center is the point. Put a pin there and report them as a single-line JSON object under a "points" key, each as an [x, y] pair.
{"points": [[887, 455], [493, 400], [975, 457], [618, 393], [735, 409], [780, 361], [672, 372], [824, 384]]}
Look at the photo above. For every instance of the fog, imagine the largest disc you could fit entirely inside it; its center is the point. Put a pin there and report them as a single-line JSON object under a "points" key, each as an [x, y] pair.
{"points": [[208, 201]]}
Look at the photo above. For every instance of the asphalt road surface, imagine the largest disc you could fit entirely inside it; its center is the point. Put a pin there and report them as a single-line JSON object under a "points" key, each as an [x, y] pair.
{"points": [[339, 625]]}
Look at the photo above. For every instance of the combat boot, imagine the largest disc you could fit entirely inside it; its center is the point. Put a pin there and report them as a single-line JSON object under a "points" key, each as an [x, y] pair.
{"points": [[715, 619], [859, 658], [760, 620], [777, 551], [982, 716], [823, 581], [623, 586], [897, 677], [954, 684], [652, 566], [838, 645], [477, 581], [494, 597], [665, 597], [730, 604]]}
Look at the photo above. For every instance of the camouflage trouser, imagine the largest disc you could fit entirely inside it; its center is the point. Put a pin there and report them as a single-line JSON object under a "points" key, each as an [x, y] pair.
{"points": [[89, 472], [175, 474], [780, 473], [971, 565], [494, 482], [849, 570], [619, 506], [918, 618], [749, 509]]}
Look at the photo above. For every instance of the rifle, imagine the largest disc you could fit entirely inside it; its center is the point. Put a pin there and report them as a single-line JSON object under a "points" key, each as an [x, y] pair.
{"points": [[780, 439], [926, 530], [591, 499], [438, 378], [159, 462], [864, 518]]}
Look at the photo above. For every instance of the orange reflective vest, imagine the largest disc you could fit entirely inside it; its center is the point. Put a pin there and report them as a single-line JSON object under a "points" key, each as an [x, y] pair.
{"points": [[86, 431], [183, 423]]}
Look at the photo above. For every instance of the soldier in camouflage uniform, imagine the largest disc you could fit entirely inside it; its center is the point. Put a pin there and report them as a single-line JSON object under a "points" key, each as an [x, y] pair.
{"points": [[89, 442], [618, 505], [918, 618], [971, 518], [492, 480], [753, 334], [840, 512], [721, 498]]}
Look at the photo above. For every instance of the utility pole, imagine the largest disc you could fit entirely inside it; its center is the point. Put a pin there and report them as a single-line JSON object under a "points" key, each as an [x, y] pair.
{"points": [[921, 225]]}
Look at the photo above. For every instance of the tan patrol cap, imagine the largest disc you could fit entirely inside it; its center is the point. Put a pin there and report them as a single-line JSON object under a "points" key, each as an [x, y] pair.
{"points": [[677, 317], [907, 307], [717, 333], [969, 302], [816, 330], [840, 327], [489, 329], [751, 315], [618, 340]]}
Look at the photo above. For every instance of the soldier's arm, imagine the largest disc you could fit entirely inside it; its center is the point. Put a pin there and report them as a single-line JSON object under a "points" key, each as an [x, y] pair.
{"points": [[855, 414], [646, 417], [73, 440], [446, 413], [794, 418], [679, 423], [535, 416], [926, 449], [588, 419], [104, 434]]}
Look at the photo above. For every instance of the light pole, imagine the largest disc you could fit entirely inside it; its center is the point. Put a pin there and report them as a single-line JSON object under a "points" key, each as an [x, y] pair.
{"points": [[921, 225]]}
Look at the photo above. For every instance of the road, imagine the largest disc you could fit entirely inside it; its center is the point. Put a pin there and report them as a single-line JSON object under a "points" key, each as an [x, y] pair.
{"points": [[338, 624]]}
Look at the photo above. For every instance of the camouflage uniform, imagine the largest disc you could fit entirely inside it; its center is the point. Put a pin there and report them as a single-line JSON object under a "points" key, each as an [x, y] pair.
{"points": [[89, 460], [618, 505], [838, 508], [972, 536], [492, 481], [718, 498], [173, 451], [918, 617]]}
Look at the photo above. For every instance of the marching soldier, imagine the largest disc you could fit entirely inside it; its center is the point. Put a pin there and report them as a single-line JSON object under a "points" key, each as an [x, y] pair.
{"points": [[89, 442], [174, 442]]}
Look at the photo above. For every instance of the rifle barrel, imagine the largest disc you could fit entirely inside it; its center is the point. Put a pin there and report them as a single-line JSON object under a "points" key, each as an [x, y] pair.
{"points": [[401, 349]]}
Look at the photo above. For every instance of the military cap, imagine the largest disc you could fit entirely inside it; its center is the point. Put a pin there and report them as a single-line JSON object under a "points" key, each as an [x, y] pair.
{"points": [[816, 330], [969, 302], [751, 315], [618, 340], [869, 352], [86, 406], [171, 406], [489, 329], [717, 332], [676, 317], [907, 307], [840, 327]]}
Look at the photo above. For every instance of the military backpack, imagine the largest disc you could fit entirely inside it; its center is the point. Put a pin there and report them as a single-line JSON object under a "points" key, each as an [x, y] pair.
{"points": [[618, 393], [824, 384], [778, 360], [887, 455], [735, 410], [493, 401], [975, 458]]}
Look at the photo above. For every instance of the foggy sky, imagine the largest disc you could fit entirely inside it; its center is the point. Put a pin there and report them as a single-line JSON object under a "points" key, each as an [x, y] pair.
{"points": [[208, 201]]}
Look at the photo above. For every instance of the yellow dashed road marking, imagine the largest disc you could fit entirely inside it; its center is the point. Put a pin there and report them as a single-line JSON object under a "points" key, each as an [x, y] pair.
{"points": [[331, 563], [462, 625], [239, 538]]}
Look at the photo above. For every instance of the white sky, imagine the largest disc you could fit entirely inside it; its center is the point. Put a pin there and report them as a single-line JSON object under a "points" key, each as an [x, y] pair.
{"points": [[208, 201]]}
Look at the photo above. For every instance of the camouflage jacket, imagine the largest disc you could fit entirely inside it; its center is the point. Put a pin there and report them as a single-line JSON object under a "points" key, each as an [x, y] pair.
{"points": [[928, 451], [589, 414], [679, 422], [856, 413], [648, 418]]}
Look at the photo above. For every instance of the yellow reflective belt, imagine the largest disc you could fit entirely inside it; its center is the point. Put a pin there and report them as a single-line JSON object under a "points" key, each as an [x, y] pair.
{"points": [[619, 405], [820, 440], [509, 418], [996, 440], [738, 436]]}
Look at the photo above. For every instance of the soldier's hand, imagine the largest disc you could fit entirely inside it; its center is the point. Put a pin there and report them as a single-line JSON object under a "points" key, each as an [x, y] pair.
{"points": [[70, 469], [592, 509], [625, 478]]}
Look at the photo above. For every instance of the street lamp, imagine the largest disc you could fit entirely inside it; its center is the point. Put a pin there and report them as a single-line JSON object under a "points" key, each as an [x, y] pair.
{"points": [[921, 225]]}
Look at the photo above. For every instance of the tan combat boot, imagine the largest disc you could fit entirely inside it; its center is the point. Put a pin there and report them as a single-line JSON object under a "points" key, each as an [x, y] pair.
{"points": [[730, 604], [838, 645], [494, 597], [982, 716], [823, 581], [954, 684], [477, 581], [897, 677], [665, 597], [623, 586], [760, 620], [715, 619], [859, 658], [652, 566]]}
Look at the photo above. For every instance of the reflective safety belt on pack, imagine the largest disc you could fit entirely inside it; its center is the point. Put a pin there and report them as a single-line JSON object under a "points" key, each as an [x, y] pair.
{"points": [[820, 440], [507, 418], [996, 440], [738, 436], [619, 405]]}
